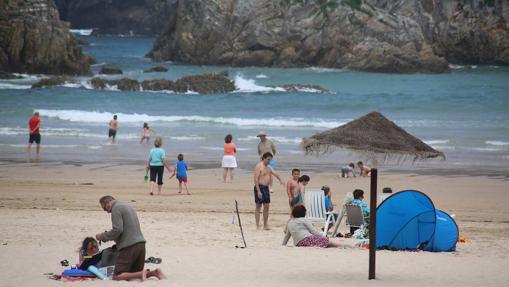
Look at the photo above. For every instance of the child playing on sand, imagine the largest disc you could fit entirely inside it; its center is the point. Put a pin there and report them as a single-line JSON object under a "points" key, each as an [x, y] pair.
{"points": [[181, 171], [347, 170], [298, 191], [292, 184], [364, 169], [146, 133]]}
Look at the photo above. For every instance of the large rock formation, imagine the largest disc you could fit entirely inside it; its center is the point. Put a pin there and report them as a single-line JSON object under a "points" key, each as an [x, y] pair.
{"points": [[141, 17], [370, 35], [34, 40]]}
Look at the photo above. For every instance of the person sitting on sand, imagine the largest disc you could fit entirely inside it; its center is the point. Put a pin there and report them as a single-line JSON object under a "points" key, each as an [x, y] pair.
{"points": [[364, 169], [181, 171], [303, 232], [348, 170], [299, 190], [89, 253], [292, 184]]}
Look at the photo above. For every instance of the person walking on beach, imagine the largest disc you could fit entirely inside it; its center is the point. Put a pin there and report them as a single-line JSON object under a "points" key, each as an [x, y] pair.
{"points": [[181, 171], [34, 134], [126, 232], [265, 145], [262, 176], [146, 133], [112, 132], [229, 162], [156, 164]]}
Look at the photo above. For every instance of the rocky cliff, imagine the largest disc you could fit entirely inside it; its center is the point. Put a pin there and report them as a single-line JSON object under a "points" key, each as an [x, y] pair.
{"points": [[34, 40], [141, 17], [371, 35]]}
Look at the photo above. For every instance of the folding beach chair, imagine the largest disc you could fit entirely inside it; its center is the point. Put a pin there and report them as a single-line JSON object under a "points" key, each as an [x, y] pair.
{"points": [[354, 216], [314, 201]]}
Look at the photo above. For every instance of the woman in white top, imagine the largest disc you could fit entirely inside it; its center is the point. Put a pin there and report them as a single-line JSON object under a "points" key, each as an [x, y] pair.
{"points": [[303, 232]]}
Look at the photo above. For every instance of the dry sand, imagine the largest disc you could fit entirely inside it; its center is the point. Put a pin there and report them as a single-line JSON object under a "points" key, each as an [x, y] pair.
{"points": [[46, 209]]}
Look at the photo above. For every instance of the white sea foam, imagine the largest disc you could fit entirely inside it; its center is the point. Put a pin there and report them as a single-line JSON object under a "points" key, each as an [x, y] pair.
{"points": [[325, 70], [276, 139], [436, 142], [244, 85], [221, 148], [9, 86], [456, 67], [82, 32], [261, 76], [497, 143], [187, 138], [61, 132], [102, 117], [485, 149]]}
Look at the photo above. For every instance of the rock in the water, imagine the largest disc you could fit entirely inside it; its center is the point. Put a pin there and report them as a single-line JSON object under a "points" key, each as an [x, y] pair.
{"points": [[52, 81], [158, 85], [158, 69], [34, 40], [140, 17], [205, 83], [8, 76], [82, 41], [124, 84], [110, 70], [369, 35]]}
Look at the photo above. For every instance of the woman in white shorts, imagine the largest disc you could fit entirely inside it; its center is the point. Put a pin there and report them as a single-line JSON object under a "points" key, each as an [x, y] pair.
{"points": [[229, 158]]}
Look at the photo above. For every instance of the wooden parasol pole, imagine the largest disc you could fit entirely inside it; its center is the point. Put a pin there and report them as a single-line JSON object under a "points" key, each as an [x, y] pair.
{"points": [[372, 224]]}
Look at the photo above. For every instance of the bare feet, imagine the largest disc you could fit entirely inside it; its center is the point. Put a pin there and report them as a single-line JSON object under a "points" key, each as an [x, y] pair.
{"points": [[188, 193], [151, 193], [266, 228], [258, 227], [159, 274]]}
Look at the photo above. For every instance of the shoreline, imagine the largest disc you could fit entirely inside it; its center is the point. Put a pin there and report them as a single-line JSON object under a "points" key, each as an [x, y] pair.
{"points": [[487, 172]]}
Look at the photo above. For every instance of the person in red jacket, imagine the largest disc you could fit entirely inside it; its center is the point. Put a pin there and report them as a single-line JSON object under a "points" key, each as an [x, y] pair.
{"points": [[34, 134]]}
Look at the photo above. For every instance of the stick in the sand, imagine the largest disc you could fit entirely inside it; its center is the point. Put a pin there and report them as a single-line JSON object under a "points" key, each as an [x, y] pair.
{"points": [[240, 224]]}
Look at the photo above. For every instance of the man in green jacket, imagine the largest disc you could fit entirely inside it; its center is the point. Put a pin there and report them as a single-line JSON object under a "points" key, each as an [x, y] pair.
{"points": [[126, 233]]}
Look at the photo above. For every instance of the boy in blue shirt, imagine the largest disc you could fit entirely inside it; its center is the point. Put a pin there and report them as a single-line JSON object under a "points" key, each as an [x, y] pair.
{"points": [[358, 196], [181, 171]]}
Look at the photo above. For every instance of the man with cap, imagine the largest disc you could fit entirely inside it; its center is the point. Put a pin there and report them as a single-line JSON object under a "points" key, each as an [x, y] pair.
{"points": [[265, 145]]}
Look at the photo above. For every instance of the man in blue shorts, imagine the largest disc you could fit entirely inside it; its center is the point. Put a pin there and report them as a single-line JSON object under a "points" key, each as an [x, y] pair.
{"points": [[262, 178]]}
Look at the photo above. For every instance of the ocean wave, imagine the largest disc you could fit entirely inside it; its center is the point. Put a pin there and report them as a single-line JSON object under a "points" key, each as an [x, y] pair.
{"points": [[187, 138], [497, 143], [9, 86], [244, 85], [104, 117], [57, 146], [325, 70], [82, 32], [216, 148], [62, 132], [261, 76], [436, 142], [276, 139]]}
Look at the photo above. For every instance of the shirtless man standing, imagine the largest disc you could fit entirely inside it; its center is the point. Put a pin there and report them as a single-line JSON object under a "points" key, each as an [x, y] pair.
{"points": [[112, 133], [292, 184], [262, 177]]}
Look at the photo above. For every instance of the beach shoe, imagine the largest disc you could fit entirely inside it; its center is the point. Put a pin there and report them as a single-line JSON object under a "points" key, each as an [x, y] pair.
{"points": [[339, 235], [64, 262], [153, 260]]}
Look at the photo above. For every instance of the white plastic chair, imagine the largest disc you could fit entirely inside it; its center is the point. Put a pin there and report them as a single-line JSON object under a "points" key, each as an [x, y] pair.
{"points": [[314, 201]]}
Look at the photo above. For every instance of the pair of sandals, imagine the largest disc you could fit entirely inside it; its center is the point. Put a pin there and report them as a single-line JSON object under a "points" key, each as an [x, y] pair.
{"points": [[154, 260]]}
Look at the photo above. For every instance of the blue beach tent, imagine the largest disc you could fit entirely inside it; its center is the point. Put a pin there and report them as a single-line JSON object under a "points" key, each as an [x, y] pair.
{"points": [[405, 221], [408, 220], [446, 234]]}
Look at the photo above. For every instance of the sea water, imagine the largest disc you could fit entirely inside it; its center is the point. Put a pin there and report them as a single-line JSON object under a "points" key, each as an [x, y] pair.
{"points": [[464, 113]]}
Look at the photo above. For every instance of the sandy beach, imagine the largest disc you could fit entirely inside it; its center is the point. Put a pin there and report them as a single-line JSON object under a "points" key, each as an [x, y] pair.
{"points": [[46, 209]]}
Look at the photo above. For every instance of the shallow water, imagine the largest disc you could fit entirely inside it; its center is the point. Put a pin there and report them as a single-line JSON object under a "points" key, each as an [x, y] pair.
{"points": [[464, 113]]}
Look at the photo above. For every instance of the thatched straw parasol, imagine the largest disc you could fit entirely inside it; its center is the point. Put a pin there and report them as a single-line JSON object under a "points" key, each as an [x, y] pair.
{"points": [[370, 134]]}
